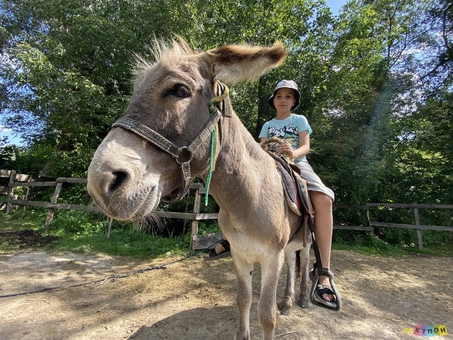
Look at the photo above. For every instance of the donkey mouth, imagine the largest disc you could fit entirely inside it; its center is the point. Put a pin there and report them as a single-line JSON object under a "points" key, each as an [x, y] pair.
{"points": [[133, 208], [172, 195], [147, 206]]}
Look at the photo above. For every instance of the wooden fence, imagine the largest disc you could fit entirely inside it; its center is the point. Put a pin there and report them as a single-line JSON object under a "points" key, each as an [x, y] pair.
{"points": [[15, 181], [419, 227], [203, 241]]}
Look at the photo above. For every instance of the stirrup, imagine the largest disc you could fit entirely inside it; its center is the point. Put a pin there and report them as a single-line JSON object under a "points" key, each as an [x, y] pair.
{"points": [[317, 290]]}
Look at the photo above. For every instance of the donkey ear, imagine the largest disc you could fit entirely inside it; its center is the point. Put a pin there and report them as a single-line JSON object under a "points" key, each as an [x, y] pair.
{"points": [[236, 63]]}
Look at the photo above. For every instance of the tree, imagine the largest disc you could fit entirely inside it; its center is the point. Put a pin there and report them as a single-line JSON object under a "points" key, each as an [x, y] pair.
{"points": [[67, 65], [375, 81], [66, 70]]}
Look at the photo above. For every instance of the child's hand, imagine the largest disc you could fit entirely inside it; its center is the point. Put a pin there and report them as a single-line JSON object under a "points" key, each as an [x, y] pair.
{"points": [[286, 149]]}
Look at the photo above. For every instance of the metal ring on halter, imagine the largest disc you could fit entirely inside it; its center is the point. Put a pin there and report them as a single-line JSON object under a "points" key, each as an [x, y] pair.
{"points": [[184, 155]]}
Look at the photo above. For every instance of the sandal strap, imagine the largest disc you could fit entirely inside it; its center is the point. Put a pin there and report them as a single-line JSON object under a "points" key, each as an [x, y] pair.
{"points": [[225, 244], [325, 290], [325, 272], [318, 290], [212, 253], [322, 271]]}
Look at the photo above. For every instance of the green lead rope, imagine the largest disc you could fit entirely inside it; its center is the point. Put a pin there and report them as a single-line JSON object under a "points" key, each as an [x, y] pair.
{"points": [[214, 134]]}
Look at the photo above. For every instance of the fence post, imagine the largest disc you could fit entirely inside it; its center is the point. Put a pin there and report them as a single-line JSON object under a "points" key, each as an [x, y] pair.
{"points": [[196, 210], [419, 231], [51, 212], [368, 215], [110, 227], [9, 194], [26, 199]]}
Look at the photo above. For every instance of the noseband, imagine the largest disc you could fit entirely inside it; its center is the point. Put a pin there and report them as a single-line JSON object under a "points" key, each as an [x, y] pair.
{"points": [[183, 155]]}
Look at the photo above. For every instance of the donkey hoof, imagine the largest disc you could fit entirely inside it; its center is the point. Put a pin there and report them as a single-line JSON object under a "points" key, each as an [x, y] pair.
{"points": [[285, 310], [303, 303]]}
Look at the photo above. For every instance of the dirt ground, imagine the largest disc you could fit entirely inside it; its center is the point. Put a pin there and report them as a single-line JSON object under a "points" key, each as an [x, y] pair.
{"points": [[193, 299]]}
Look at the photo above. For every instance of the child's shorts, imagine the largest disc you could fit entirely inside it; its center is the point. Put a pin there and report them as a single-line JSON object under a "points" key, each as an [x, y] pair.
{"points": [[314, 183]]}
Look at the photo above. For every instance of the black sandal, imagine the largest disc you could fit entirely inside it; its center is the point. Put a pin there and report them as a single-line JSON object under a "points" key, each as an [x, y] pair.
{"points": [[317, 290], [213, 254]]}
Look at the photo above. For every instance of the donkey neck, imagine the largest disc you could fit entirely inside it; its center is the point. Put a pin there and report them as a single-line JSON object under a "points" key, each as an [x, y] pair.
{"points": [[244, 172]]}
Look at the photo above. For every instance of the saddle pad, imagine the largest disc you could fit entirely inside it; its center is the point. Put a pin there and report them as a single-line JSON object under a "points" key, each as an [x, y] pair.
{"points": [[291, 193], [296, 190]]}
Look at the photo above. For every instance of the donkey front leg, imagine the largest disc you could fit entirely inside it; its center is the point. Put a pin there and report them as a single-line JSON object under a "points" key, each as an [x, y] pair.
{"points": [[288, 298], [267, 306], [244, 271]]}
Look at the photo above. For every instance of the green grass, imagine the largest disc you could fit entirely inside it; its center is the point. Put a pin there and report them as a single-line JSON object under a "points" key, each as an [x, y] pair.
{"points": [[87, 232], [372, 245]]}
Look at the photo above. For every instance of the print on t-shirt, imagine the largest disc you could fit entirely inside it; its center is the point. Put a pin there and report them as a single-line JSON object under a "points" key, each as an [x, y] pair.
{"points": [[288, 132]]}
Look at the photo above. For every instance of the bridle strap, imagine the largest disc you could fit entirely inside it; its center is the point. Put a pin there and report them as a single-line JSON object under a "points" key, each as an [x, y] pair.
{"points": [[148, 134], [162, 142]]}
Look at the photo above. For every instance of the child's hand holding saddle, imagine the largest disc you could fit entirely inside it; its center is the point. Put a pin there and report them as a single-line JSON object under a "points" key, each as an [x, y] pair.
{"points": [[278, 147]]}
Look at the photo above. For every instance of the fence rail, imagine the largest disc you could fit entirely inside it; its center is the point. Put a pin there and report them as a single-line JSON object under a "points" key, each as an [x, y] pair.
{"points": [[202, 241], [419, 227]]}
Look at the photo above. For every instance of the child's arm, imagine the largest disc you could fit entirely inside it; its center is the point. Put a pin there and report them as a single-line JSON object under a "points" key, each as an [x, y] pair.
{"points": [[302, 150]]}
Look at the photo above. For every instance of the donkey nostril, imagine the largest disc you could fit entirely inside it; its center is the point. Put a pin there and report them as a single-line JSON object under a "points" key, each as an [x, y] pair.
{"points": [[119, 177]]}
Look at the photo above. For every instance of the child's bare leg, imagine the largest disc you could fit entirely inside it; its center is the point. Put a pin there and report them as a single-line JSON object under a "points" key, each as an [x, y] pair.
{"points": [[323, 232]]}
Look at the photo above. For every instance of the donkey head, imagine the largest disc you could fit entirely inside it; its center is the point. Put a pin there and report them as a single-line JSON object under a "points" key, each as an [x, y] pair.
{"points": [[141, 159]]}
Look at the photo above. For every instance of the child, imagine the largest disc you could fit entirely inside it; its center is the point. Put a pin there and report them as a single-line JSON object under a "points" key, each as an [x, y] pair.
{"points": [[296, 130]]}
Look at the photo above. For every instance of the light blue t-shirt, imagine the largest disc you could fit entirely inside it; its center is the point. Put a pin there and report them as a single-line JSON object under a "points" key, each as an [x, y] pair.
{"points": [[287, 129]]}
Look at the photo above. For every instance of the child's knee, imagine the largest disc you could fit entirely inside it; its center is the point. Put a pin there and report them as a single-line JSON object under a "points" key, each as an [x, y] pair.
{"points": [[321, 200]]}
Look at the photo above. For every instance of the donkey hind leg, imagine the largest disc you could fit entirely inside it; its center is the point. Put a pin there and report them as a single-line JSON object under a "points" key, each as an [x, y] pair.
{"points": [[244, 272], [304, 296], [288, 298], [267, 306]]}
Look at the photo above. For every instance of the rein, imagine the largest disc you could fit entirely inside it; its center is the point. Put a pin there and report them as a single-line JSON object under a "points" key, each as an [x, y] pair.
{"points": [[183, 155], [214, 139]]}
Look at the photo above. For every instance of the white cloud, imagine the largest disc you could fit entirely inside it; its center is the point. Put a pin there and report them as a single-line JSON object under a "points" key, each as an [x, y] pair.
{"points": [[4, 129]]}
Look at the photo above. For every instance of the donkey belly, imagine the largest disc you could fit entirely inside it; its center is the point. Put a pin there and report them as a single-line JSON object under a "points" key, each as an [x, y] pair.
{"points": [[253, 243], [294, 245]]}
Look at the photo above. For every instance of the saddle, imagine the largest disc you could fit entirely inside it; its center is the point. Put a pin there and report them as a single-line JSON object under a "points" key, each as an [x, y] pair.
{"points": [[296, 194]]}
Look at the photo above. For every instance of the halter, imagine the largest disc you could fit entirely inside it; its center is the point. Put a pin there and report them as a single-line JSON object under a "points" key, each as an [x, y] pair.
{"points": [[183, 155]]}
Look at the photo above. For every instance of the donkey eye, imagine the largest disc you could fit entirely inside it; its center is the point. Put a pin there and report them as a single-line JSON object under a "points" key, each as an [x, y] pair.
{"points": [[180, 91]]}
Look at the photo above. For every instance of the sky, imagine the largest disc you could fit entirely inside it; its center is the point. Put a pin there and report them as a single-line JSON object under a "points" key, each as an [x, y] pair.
{"points": [[334, 5], [11, 138]]}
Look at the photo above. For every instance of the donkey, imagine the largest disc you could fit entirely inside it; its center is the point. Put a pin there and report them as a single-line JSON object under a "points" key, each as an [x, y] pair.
{"points": [[178, 125]]}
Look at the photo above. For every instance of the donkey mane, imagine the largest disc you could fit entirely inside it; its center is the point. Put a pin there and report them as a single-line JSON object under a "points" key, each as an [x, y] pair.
{"points": [[160, 50]]}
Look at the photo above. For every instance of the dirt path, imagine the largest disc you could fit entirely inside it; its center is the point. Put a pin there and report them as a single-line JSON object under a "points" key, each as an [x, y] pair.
{"points": [[194, 299]]}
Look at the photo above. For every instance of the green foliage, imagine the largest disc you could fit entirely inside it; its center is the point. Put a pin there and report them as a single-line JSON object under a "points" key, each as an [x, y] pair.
{"points": [[372, 244], [375, 82], [365, 242], [28, 161]]}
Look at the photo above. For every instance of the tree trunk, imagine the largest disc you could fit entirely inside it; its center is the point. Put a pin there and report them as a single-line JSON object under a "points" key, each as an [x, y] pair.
{"points": [[263, 106]]}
